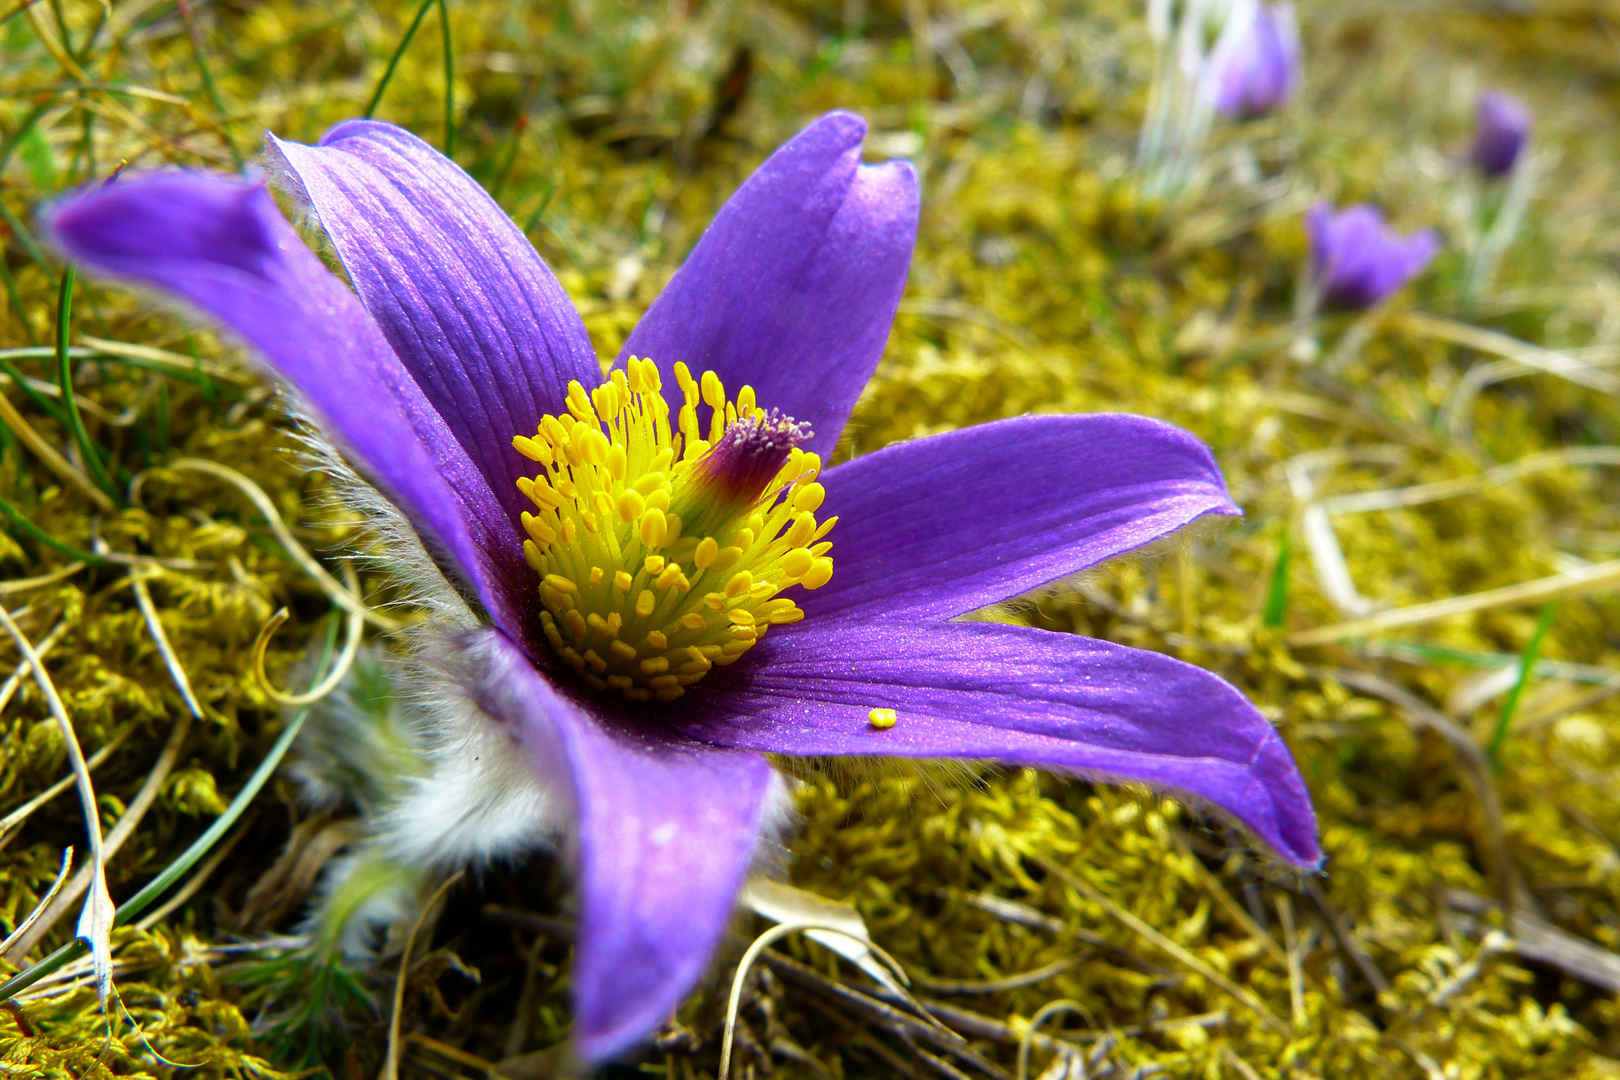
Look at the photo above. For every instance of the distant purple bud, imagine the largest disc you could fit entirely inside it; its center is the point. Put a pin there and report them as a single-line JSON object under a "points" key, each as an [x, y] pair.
{"points": [[1357, 260], [1262, 67], [1501, 130]]}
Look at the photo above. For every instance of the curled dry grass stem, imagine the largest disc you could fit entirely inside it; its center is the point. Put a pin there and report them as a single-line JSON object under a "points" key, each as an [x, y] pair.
{"points": [[344, 598], [179, 363], [354, 625], [47, 38]]}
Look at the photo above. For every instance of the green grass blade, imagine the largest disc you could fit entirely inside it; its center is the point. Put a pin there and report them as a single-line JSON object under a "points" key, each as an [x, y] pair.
{"points": [[64, 374], [34, 532], [1510, 704], [1276, 609], [393, 61]]}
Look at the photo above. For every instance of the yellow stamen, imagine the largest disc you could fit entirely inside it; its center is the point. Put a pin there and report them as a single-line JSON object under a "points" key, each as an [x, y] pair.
{"points": [[883, 719], [658, 562]]}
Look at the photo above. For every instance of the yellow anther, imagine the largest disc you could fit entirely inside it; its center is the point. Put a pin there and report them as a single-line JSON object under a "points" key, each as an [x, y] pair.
{"points": [[796, 563], [693, 620], [579, 403], [529, 448], [655, 665], [739, 583], [882, 719], [654, 527], [656, 640], [704, 554], [673, 577], [713, 390], [622, 580], [808, 497], [560, 583], [802, 531], [820, 573], [653, 564], [630, 506], [596, 575], [645, 602]]}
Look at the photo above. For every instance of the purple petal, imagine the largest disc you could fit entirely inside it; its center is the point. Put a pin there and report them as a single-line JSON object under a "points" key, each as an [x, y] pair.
{"points": [[794, 286], [944, 525], [460, 293], [1011, 694], [219, 245], [666, 829], [1262, 70]]}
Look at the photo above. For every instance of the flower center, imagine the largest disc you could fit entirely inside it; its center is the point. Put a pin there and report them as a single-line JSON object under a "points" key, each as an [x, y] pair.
{"points": [[661, 552]]}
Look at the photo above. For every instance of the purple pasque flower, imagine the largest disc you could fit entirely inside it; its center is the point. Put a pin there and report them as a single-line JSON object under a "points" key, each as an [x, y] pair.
{"points": [[1501, 132], [1262, 66], [1357, 260], [622, 543]]}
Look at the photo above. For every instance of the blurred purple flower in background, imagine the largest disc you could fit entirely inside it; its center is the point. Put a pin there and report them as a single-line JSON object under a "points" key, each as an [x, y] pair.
{"points": [[619, 545], [1357, 260], [1262, 66], [1501, 132]]}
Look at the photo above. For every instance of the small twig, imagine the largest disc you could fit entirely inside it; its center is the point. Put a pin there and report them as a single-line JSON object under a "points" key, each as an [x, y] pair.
{"points": [[17, 585]]}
